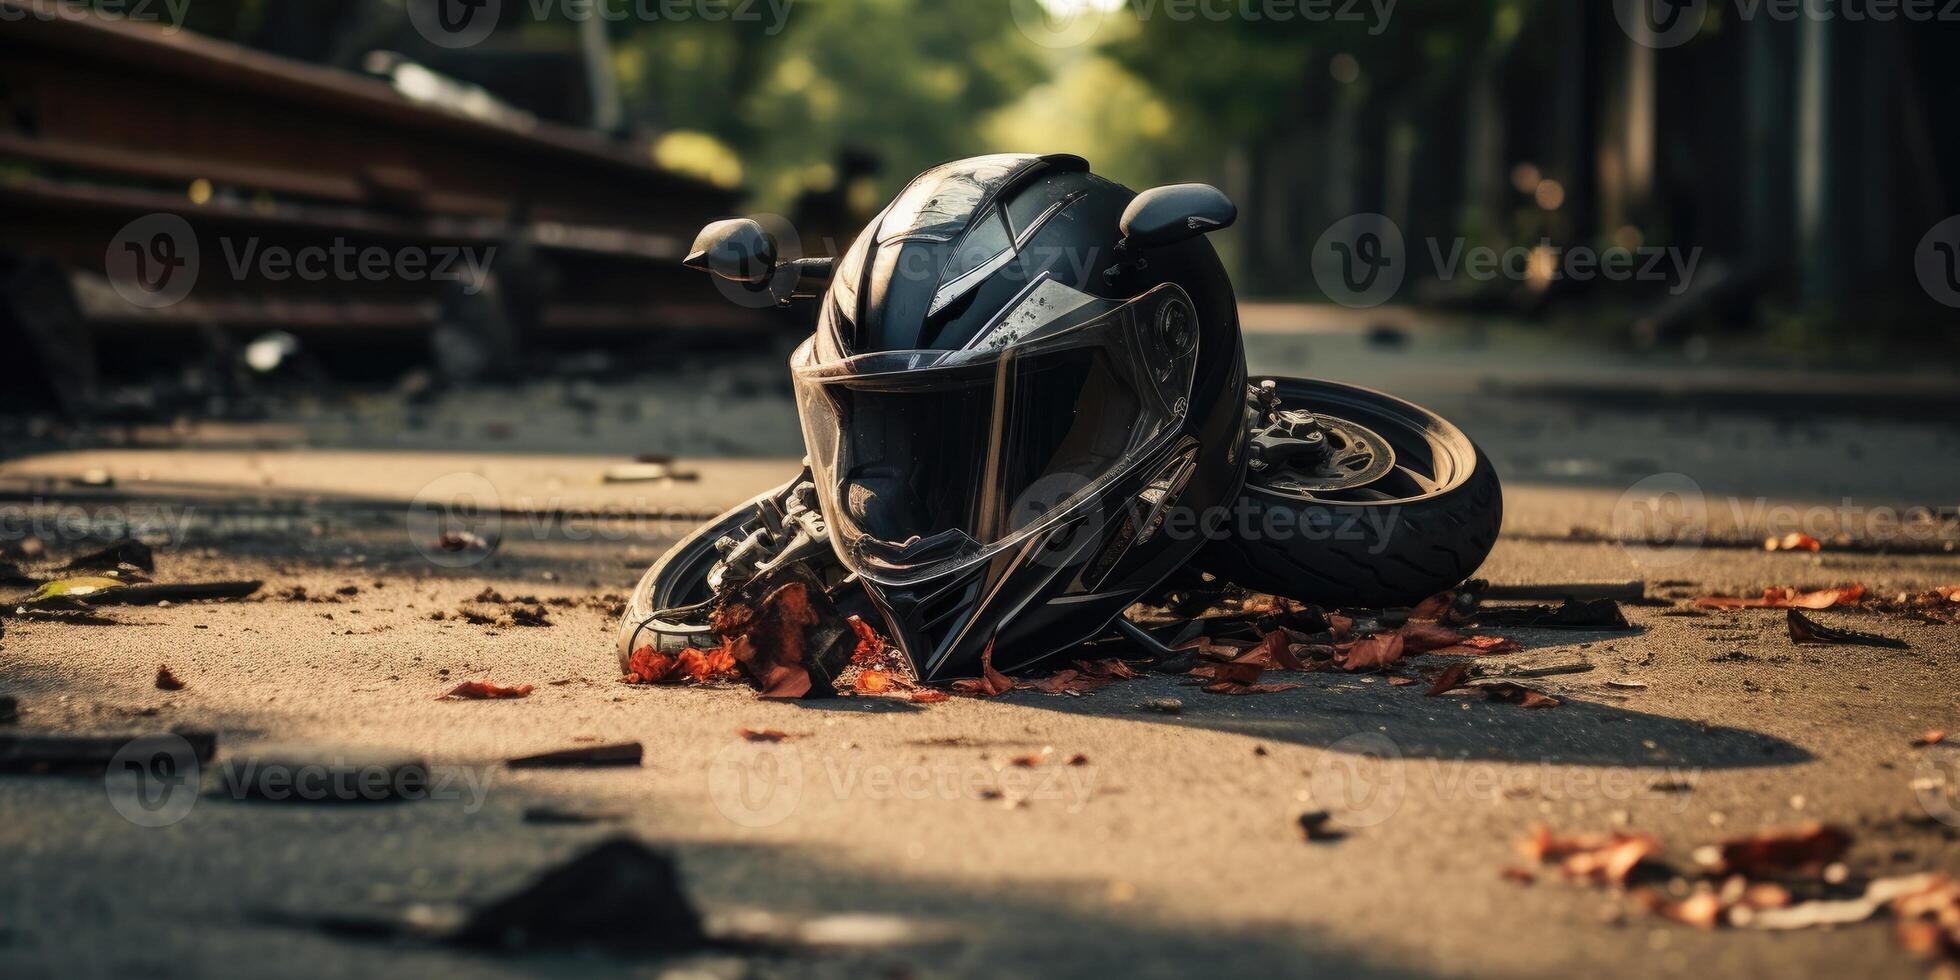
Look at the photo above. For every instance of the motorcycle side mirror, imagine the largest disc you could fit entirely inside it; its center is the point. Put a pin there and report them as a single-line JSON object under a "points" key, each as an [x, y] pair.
{"points": [[736, 249], [1172, 213]]}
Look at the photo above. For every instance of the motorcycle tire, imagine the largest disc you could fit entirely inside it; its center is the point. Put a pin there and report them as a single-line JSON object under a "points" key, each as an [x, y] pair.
{"points": [[1419, 528]]}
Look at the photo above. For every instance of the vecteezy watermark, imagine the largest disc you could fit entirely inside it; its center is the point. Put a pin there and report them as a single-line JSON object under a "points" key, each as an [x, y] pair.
{"points": [[1937, 261], [1362, 260], [153, 781], [456, 520], [466, 23], [155, 261], [1671, 23], [169, 13], [1070, 23], [1936, 782], [1661, 520], [761, 784], [157, 780]]}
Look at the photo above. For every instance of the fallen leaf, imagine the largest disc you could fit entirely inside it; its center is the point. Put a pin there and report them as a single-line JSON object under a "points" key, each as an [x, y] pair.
{"points": [[1420, 637], [484, 691], [764, 735], [167, 681], [1932, 736], [1109, 667], [1400, 680], [929, 695], [1229, 688], [990, 684], [1028, 761], [1803, 629], [1794, 541], [1450, 679], [872, 682], [1600, 858], [1777, 597], [1432, 608], [649, 666], [1235, 672], [1078, 759], [1370, 653], [1802, 851], [1479, 646]]}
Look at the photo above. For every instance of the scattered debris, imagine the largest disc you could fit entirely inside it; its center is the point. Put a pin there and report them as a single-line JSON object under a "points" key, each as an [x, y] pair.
{"points": [[650, 472], [456, 542], [324, 774], [167, 681], [614, 754], [551, 815], [765, 735], [92, 753], [1600, 858], [1518, 694], [1778, 597], [484, 691], [650, 666], [1632, 591], [74, 593], [1793, 541], [1450, 679], [128, 551], [1803, 629], [1581, 614], [1803, 851], [1166, 706], [1315, 825], [791, 644], [619, 895], [1931, 736]]}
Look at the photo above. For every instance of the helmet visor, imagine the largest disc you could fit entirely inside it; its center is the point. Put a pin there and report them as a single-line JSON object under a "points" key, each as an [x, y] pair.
{"points": [[930, 460]]}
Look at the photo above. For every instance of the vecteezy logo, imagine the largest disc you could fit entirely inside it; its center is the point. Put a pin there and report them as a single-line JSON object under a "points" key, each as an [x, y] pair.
{"points": [[153, 781], [1936, 781], [456, 520], [1938, 262], [1058, 23], [454, 23], [1358, 777], [1360, 261], [756, 784], [1661, 23], [153, 261], [1661, 520]]}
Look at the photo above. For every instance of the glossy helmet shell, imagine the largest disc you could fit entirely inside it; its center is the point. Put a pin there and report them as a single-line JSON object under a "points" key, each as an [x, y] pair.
{"points": [[894, 290]]}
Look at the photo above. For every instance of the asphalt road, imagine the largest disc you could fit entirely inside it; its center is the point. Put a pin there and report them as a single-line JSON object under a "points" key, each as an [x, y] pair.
{"points": [[904, 832]]}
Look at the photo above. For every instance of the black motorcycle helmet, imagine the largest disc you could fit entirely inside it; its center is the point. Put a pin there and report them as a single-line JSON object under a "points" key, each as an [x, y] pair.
{"points": [[1020, 371]]}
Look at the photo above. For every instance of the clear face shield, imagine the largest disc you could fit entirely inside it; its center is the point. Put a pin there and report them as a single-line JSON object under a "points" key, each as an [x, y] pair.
{"points": [[928, 460]]}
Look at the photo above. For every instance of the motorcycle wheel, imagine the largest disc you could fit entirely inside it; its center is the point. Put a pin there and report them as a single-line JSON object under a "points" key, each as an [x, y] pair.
{"points": [[1403, 506]]}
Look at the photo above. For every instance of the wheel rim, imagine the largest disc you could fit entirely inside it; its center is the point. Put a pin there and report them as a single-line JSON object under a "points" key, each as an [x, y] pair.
{"points": [[1425, 454]]}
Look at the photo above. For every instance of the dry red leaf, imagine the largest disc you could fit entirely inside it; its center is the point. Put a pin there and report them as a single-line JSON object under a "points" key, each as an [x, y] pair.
{"points": [[1109, 667], [873, 682], [1400, 680], [1369, 652], [1078, 759], [648, 666], [1340, 626], [707, 665], [1777, 597], [929, 695], [1432, 608], [1450, 679], [1235, 672], [1274, 652], [167, 681], [1479, 646], [1932, 736], [484, 691], [764, 735], [1419, 637], [1600, 858], [1794, 541], [1801, 851], [990, 684], [1229, 688], [1028, 761]]}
